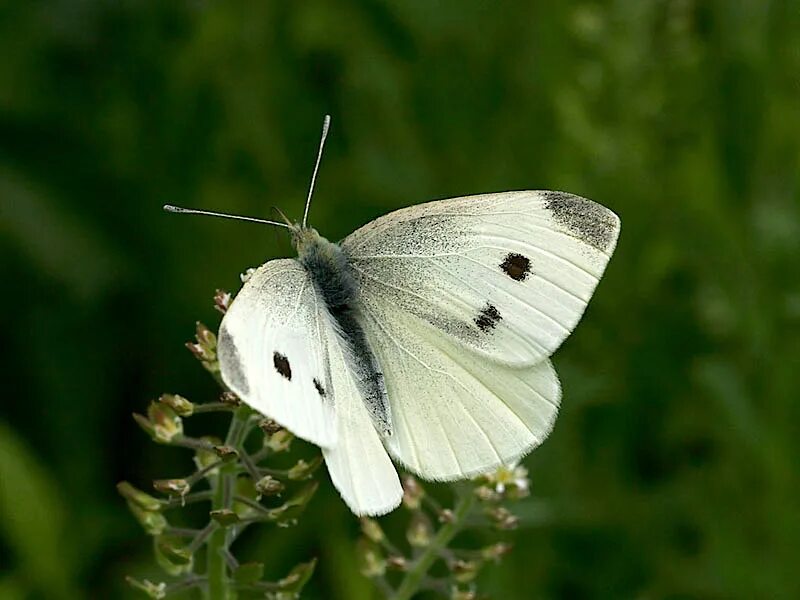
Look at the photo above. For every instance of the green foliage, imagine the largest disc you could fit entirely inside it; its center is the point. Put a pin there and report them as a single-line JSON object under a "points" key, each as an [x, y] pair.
{"points": [[671, 470]]}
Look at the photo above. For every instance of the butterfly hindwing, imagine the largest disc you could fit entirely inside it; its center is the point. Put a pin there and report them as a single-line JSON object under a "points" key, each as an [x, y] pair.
{"points": [[272, 350], [455, 414], [358, 464], [506, 275]]}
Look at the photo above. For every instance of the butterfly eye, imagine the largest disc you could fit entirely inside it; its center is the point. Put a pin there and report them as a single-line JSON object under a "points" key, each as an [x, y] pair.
{"points": [[488, 318], [516, 266], [282, 365]]}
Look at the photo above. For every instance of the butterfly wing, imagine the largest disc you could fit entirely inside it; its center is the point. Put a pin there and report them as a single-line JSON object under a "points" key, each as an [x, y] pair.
{"points": [[358, 463], [506, 275], [272, 350], [462, 301], [454, 413], [279, 351]]}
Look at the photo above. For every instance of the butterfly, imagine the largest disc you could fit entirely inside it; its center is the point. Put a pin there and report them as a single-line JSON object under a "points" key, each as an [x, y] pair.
{"points": [[423, 337]]}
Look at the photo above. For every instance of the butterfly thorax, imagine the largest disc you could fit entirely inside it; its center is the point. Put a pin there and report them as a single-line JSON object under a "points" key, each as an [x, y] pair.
{"points": [[328, 267], [331, 272]]}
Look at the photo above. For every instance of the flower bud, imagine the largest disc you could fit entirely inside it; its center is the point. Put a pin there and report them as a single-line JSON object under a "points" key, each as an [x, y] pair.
{"points": [[153, 590], [496, 551], [206, 337], [397, 563], [303, 469], [464, 571], [138, 497], [486, 494], [249, 572], [180, 405], [458, 594], [229, 398], [173, 487], [222, 300], [226, 453], [298, 577], [446, 516], [269, 426], [153, 523], [269, 486], [412, 493], [502, 518], [419, 531], [372, 530], [172, 555], [371, 562], [205, 458], [279, 441], [224, 516], [166, 424]]}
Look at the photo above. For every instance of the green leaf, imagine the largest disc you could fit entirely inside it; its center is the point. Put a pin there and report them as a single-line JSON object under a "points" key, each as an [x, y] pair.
{"points": [[33, 520]]}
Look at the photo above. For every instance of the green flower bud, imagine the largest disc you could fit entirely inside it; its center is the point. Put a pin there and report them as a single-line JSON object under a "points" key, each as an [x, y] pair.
{"points": [[397, 563], [502, 518], [230, 399], [279, 441], [457, 594], [412, 493], [269, 426], [248, 572], [464, 571], [297, 578], [153, 523], [138, 497], [180, 405], [496, 551], [303, 469], [226, 453], [222, 300], [372, 530], [205, 458], [419, 531], [172, 555], [173, 487], [269, 486], [224, 516], [166, 424], [370, 561], [153, 590]]}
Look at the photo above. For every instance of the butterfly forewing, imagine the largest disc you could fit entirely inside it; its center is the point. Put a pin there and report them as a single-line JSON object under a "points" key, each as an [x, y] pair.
{"points": [[272, 351], [279, 350], [507, 275]]}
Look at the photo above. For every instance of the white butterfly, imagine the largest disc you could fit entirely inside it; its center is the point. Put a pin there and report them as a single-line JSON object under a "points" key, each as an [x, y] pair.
{"points": [[424, 335]]}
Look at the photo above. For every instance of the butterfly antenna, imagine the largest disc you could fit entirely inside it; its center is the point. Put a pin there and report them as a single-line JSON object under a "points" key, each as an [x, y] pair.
{"points": [[326, 123], [208, 213]]}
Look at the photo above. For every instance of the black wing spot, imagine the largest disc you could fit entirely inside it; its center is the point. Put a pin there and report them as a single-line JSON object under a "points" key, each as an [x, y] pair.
{"points": [[320, 389], [282, 365], [488, 318], [516, 266]]}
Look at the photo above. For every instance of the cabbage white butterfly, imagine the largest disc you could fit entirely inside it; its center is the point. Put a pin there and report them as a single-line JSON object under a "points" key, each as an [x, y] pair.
{"points": [[424, 335]]}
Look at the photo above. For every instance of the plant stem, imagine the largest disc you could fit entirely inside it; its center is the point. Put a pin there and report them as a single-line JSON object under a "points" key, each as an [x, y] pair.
{"points": [[220, 587], [420, 566]]}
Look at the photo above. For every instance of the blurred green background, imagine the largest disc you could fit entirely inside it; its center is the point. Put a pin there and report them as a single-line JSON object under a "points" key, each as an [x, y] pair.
{"points": [[672, 471]]}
